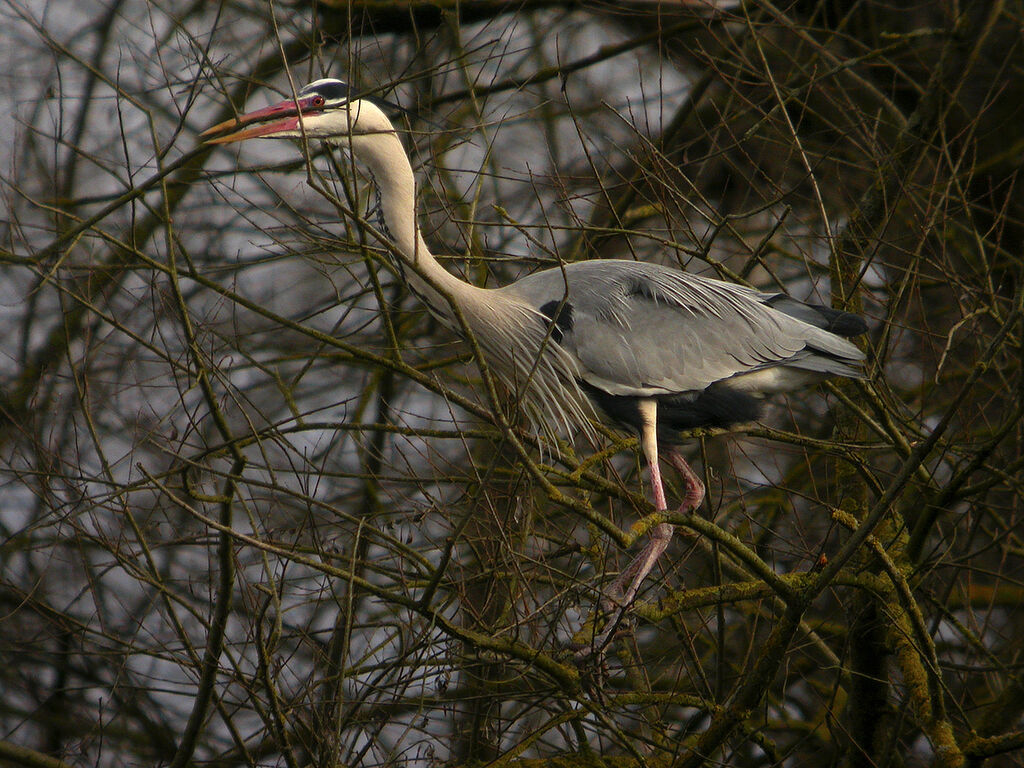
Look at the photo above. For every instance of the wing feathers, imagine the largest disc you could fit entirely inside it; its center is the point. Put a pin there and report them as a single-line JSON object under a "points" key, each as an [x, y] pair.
{"points": [[642, 329]]}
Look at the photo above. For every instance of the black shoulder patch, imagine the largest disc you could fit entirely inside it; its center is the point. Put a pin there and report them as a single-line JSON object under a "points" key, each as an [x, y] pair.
{"points": [[559, 313]]}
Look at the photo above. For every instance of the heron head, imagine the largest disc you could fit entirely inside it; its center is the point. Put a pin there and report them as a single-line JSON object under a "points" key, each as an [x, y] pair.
{"points": [[324, 109]]}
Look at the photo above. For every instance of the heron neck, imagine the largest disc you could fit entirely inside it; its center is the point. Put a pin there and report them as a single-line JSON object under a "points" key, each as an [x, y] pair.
{"points": [[392, 174]]}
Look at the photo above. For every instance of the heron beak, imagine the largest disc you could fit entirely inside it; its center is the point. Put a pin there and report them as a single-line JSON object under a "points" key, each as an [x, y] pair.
{"points": [[285, 116]]}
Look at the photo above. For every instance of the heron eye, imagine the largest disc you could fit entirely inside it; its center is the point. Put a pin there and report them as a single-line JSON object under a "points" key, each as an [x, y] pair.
{"points": [[318, 101]]}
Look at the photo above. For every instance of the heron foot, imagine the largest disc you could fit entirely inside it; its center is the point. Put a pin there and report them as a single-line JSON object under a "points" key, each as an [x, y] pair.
{"points": [[609, 622], [593, 667], [612, 612], [590, 656]]}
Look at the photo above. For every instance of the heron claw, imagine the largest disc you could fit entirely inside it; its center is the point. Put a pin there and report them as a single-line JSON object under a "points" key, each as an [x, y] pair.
{"points": [[590, 656], [594, 675]]}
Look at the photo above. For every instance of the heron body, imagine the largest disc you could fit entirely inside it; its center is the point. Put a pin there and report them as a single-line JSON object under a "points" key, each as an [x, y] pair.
{"points": [[649, 348], [706, 351]]}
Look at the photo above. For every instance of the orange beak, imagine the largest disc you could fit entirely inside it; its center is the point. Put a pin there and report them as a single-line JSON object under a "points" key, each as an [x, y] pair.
{"points": [[285, 116]]}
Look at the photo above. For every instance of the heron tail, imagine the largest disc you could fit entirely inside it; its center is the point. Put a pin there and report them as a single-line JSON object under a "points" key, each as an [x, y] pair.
{"points": [[835, 321]]}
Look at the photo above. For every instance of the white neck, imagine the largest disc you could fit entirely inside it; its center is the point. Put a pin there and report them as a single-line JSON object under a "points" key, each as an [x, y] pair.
{"points": [[392, 173], [512, 334]]}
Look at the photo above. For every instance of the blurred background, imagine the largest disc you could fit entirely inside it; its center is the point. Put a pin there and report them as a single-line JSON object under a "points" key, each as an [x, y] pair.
{"points": [[255, 507]]}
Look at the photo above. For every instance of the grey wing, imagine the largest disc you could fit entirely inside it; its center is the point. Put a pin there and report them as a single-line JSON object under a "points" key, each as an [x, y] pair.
{"points": [[641, 329]]}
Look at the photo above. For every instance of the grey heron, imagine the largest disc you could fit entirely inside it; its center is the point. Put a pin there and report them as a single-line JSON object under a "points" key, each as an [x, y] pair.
{"points": [[652, 349]]}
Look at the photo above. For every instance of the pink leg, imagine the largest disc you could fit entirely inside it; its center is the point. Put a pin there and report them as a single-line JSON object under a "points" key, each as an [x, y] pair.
{"points": [[694, 486], [619, 595], [660, 536]]}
